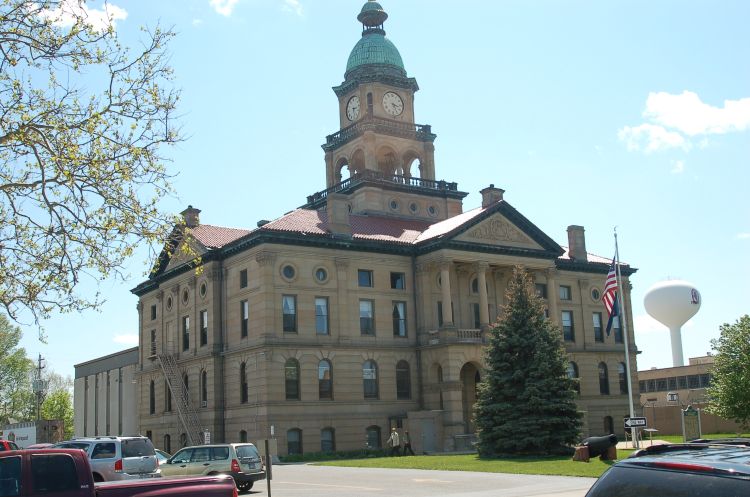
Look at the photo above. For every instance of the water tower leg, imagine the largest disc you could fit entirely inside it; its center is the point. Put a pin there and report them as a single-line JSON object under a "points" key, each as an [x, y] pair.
{"points": [[676, 336]]}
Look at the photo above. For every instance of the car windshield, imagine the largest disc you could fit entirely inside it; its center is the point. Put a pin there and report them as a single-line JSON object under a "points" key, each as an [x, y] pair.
{"points": [[247, 452], [137, 447]]}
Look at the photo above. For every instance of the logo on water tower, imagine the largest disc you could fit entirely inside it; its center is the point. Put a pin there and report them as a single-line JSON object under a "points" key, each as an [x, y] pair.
{"points": [[695, 297]]}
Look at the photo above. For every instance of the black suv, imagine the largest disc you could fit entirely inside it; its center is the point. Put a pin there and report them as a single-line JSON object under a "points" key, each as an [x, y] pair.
{"points": [[702, 468]]}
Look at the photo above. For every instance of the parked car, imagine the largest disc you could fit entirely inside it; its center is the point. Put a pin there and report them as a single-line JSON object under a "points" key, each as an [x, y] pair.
{"points": [[240, 460], [55, 472], [117, 458], [162, 456], [677, 470], [8, 445]]}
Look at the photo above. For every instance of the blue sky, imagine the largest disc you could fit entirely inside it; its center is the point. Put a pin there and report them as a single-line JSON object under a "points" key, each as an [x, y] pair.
{"points": [[633, 114]]}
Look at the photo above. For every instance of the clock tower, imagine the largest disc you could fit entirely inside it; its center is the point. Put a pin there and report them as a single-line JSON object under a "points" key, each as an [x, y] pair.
{"points": [[379, 145]]}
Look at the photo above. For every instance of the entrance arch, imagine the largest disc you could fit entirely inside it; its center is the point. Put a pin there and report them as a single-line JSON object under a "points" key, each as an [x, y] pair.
{"points": [[470, 377]]}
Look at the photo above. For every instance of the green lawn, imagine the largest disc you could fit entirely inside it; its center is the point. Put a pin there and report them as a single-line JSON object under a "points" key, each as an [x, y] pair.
{"points": [[561, 466]]}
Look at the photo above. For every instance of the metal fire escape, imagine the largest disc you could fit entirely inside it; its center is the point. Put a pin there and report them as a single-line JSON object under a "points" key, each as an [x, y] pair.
{"points": [[186, 412]]}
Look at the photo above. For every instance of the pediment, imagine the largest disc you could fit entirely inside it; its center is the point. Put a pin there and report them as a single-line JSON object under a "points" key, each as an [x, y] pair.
{"points": [[499, 231], [186, 251]]}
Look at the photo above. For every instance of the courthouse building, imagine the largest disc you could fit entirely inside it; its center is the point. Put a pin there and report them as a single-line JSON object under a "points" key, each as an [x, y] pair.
{"points": [[369, 306]]}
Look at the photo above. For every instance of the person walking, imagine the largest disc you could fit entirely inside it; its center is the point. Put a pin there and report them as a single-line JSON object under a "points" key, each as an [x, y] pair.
{"points": [[395, 443], [407, 443]]}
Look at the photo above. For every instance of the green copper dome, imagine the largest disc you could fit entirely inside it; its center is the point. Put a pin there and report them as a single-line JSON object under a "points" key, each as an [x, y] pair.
{"points": [[374, 48]]}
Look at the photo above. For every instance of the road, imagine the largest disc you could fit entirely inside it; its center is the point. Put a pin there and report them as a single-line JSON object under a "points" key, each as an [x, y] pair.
{"points": [[301, 480]]}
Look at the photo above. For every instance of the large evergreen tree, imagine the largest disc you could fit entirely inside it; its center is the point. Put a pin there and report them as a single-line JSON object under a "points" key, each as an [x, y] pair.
{"points": [[526, 402]]}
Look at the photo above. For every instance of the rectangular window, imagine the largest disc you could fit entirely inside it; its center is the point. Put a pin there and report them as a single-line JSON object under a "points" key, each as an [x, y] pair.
{"points": [[682, 382], [153, 342], [398, 281], [321, 315], [399, 319], [617, 329], [364, 277], [244, 318], [541, 290], [440, 314], [598, 332], [243, 278], [367, 317], [475, 315], [289, 310], [204, 328], [661, 385], [565, 293], [672, 383], [693, 381], [185, 332], [567, 326], [153, 312]]}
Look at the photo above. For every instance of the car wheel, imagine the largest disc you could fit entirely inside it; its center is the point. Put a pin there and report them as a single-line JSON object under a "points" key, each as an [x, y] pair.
{"points": [[244, 486], [98, 477]]}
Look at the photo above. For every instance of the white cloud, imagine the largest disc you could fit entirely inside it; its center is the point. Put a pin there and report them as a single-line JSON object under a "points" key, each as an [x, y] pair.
{"points": [[650, 138], [689, 115], [671, 120], [743, 236], [197, 22], [293, 6], [224, 7], [68, 11], [678, 167], [126, 339]]}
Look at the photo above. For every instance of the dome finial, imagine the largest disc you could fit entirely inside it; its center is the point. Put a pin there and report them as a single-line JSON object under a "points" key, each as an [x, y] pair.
{"points": [[372, 15]]}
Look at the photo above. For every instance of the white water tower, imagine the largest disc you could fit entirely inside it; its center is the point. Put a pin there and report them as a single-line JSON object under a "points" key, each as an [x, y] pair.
{"points": [[672, 303]]}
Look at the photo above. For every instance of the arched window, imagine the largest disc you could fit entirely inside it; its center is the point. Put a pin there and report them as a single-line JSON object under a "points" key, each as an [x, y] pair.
{"points": [[243, 383], [204, 389], [327, 440], [603, 379], [370, 379], [167, 398], [403, 381], [325, 380], [151, 398], [440, 374], [573, 375], [291, 379], [609, 426], [243, 436], [373, 437], [183, 440], [294, 441], [623, 378], [186, 385], [167, 443]]}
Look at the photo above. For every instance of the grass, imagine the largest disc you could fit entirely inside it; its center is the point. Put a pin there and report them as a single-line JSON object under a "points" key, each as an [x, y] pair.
{"points": [[559, 466]]}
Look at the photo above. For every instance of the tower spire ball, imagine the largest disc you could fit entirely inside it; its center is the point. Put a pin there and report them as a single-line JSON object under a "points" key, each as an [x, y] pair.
{"points": [[673, 303]]}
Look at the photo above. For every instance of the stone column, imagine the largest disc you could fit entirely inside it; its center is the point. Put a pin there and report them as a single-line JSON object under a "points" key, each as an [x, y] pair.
{"points": [[445, 282], [552, 295], [342, 284], [270, 319], [484, 313], [331, 175]]}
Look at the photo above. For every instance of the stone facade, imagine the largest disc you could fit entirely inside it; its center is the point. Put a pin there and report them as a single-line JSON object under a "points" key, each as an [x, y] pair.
{"points": [[367, 308]]}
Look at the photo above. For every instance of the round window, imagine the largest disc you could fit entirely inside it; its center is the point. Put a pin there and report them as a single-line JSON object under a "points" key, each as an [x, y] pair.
{"points": [[185, 296], [394, 205], [432, 210], [321, 275], [595, 295], [413, 207], [169, 303], [203, 289], [288, 272]]}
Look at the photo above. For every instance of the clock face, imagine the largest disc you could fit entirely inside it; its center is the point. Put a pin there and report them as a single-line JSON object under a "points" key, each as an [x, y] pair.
{"points": [[393, 104], [352, 108]]}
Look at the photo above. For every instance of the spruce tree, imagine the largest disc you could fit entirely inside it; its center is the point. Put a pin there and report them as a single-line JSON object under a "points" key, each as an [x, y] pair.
{"points": [[526, 402]]}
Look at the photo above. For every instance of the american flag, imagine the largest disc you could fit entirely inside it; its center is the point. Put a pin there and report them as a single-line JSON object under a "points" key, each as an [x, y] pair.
{"points": [[610, 295]]}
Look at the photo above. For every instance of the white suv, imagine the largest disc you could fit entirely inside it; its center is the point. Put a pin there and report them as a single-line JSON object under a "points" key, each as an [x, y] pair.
{"points": [[117, 458]]}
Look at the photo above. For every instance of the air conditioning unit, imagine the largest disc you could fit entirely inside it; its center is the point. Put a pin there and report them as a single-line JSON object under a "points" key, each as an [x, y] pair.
{"points": [[204, 403]]}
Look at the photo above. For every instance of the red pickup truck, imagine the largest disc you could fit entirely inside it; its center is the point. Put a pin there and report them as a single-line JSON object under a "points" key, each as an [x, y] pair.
{"points": [[67, 473]]}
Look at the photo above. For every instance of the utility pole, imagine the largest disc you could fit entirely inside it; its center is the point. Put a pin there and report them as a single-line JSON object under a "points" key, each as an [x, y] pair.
{"points": [[39, 387]]}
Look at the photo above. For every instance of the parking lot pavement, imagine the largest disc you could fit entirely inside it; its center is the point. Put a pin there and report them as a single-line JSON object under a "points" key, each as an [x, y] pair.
{"points": [[301, 480]]}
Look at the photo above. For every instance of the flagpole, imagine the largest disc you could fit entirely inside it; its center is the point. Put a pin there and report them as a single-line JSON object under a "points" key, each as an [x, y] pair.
{"points": [[623, 323]]}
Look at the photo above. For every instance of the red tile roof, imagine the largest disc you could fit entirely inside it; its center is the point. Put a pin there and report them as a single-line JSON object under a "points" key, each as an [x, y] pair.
{"points": [[216, 236], [589, 257]]}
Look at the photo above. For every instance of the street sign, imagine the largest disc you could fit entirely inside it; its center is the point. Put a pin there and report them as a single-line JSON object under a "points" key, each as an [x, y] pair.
{"points": [[635, 422]]}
